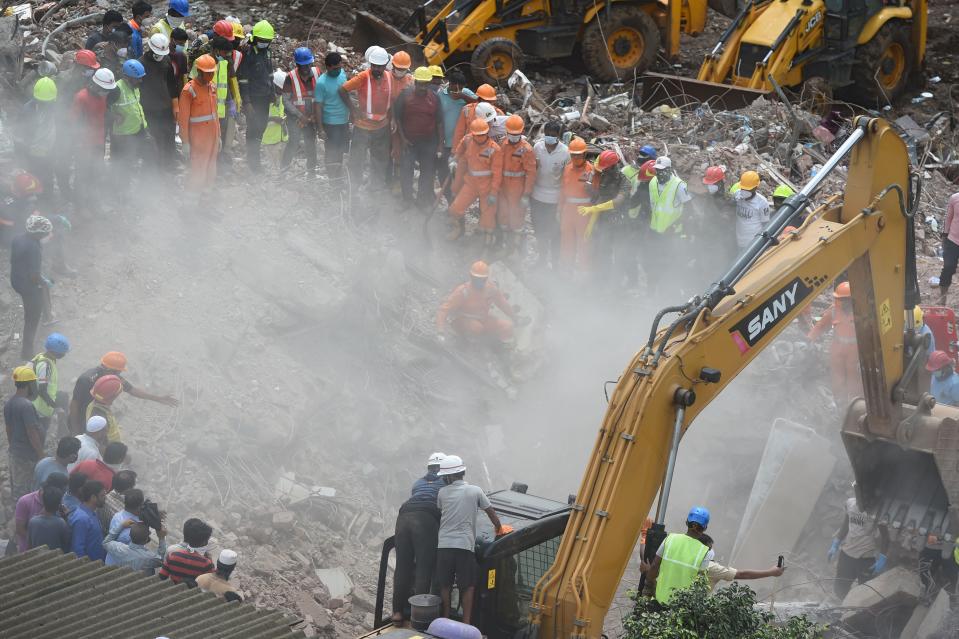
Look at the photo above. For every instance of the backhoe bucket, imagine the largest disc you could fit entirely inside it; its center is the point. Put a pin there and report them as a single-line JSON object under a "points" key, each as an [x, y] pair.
{"points": [[370, 30], [675, 91]]}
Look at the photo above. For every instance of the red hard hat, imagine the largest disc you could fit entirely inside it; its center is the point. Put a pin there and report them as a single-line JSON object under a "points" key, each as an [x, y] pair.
{"points": [[25, 184], [87, 58], [607, 159], [106, 389], [224, 29], [842, 291], [714, 174], [647, 171], [937, 360]]}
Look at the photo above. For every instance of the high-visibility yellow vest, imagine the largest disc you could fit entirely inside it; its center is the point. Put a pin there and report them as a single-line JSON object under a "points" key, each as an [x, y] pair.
{"points": [[130, 118], [275, 132], [222, 86], [631, 172], [53, 384], [113, 428], [681, 561], [665, 210]]}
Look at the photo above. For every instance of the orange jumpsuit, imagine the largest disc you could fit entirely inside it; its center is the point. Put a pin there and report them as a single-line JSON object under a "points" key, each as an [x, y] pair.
{"points": [[576, 191], [467, 115], [200, 128], [468, 310], [475, 164], [515, 171], [843, 354]]}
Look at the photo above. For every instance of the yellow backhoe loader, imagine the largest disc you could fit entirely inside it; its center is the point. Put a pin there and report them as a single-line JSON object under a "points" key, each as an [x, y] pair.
{"points": [[614, 38], [869, 48], [557, 574]]}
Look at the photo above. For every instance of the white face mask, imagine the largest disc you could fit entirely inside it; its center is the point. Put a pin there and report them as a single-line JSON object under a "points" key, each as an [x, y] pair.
{"points": [[514, 138], [122, 52], [712, 188], [175, 21]]}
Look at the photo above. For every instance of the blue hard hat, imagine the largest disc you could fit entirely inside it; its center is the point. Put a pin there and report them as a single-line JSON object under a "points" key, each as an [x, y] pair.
{"points": [[133, 69], [303, 55], [698, 515], [648, 151], [57, 344], [181, 6]]}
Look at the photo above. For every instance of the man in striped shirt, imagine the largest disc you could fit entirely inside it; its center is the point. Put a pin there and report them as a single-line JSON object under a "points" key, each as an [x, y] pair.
{"points": [[186, 561]]}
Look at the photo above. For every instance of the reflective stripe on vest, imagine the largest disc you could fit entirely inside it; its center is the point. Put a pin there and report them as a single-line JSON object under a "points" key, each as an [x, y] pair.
{"points": [[514, 173], [665, 211], [369, 96], [681, 561], [53, 385], [480, 173], [237, 58], [202, 118], [130, 118], [222, 84], [300, 95]]}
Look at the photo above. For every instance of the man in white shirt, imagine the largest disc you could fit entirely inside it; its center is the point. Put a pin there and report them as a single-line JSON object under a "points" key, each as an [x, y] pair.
{"points": [[552, 156], [752, 210], [92, 441]]}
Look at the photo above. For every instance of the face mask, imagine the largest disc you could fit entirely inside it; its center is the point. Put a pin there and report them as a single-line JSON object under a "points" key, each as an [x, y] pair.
{"points": [[514, 138], [479, 282], [175, 21], [712, 188], [377, 73], [158, 57], [88, 73], [333, 72], [181, 48], [262, 46], [480, 139], [122, 52], [550, 139], [399, 73], [663, 174]]}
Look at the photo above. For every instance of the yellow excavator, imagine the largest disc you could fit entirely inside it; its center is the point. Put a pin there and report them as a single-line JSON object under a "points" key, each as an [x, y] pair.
{"points": [[872, 49], [556, 575], [616, 39]]}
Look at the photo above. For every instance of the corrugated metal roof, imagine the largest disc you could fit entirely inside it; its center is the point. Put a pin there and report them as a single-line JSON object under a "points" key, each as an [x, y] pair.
{"points": [[45, 594]]}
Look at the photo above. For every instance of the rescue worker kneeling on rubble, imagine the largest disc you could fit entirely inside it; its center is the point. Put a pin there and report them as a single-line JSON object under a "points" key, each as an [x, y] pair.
{"points": [[468, 308]]}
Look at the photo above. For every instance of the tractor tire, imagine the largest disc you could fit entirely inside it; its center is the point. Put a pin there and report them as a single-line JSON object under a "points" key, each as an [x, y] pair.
{"points": [[494, 61], [616, 48], [881, 71]]}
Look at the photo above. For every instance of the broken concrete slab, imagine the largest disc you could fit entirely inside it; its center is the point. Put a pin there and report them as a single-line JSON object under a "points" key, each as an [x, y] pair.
{"points": [[284, 521], [935, 618], [893, 588], [308, 607], [362, 600], [336, 581]]}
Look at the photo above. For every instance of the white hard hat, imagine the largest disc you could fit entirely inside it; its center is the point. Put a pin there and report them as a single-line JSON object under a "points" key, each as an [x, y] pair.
{"points": [[486, 111], [103, 78], [159, 44], [663, 162], [451, 465], [435, 459], [378, 56], [279, 78]]}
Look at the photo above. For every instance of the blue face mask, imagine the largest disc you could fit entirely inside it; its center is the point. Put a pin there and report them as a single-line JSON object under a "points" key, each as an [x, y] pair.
{"points": [[333, 72], [262, 45], [550, 139], [181, 48]]}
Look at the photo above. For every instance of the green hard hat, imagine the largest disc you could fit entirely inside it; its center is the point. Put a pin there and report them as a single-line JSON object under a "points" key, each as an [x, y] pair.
{"points": [[45, 90], [263, 30], [783, 191]]}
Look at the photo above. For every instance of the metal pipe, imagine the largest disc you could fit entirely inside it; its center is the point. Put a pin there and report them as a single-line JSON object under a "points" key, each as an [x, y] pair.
{"points": [[827, 168], [670, 465], [68, 23]]}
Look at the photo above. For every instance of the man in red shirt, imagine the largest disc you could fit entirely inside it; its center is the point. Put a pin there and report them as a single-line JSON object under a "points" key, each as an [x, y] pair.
{"points": [[89, 116], [103, 471], [188, 560], [419, 119], [371, 132]]}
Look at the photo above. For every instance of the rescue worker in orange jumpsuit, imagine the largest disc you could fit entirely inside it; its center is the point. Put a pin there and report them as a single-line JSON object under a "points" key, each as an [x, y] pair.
{"points": [[576, 191], [484, 93], [844, 353], [515, 172], [402, 80], [199, 124], [467, 308], [475, 157]]}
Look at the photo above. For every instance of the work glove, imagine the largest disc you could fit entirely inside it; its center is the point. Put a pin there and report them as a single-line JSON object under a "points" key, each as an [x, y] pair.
{"points": [[47, 281], [596, 208], [833, 550], [505, 529], [491, 199], [880, 564]]}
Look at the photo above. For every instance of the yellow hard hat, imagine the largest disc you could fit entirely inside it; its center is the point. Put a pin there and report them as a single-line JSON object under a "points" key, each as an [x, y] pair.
{"points": [[238, 31], [917, 315], [749, 180], [436, 71], [24, 374], [422, 74]]}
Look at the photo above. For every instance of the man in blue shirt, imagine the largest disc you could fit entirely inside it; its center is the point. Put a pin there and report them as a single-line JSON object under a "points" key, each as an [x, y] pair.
{"points": [[87, 535], [331, 114], [417, 527], [945, 380], [141, 13], [453, 98]]}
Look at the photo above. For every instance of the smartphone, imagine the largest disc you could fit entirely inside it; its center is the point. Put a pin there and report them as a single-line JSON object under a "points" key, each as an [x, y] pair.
{"points": [[779, 564]]}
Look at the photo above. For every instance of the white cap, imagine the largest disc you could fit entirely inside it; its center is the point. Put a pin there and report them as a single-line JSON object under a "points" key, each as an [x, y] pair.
{"points": [[159, 44], [227, 557], [451, 465], [379, 56], [663, 162], [103, 78], [96, 423], [435, 459], [279, 78], [486, 111]]}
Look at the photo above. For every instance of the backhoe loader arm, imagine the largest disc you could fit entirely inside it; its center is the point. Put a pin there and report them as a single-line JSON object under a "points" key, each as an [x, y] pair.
{"points": [[684, 366]]}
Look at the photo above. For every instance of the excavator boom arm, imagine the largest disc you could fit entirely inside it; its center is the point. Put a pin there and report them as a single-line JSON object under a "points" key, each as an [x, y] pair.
{"points": [[687, 364]]}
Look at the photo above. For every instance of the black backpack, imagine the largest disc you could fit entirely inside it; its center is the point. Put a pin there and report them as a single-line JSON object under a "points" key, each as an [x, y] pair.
{"points": [[150, 515]]}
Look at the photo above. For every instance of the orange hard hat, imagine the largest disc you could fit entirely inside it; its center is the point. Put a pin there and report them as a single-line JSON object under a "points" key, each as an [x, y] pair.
{"points": [[224, 29], [607, 159], [842, 291], [647, 171], [206, 63], [937, 360], [25, 184], [106, 389], [485, 92], [479, 269], [714, 174], [577, 146], [114, 360], [402, 60], [786, 232], [515, 124], [479, 126]]}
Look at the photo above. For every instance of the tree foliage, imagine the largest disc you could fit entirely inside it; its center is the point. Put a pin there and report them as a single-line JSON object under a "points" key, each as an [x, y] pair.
{"points": [[694, 613]]}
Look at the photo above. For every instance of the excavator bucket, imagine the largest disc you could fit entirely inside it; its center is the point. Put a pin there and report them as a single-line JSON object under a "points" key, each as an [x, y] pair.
{"points": [[675, 91], [370, 30]]}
